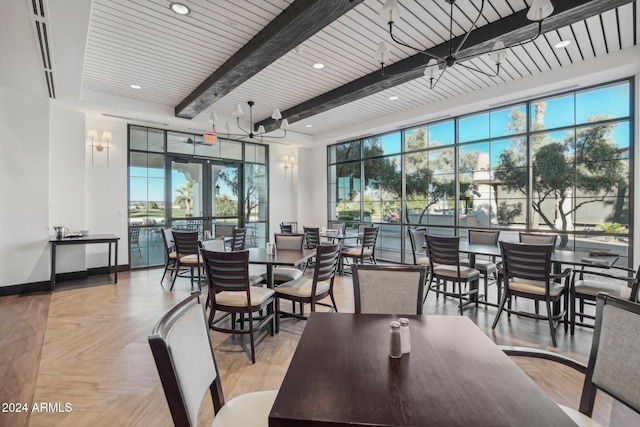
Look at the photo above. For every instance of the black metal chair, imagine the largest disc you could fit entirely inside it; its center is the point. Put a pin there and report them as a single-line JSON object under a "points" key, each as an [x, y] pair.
{"points": [[312, 237], [239, 238], [418, 240], [171, 256], [182, 351], [232, 293], [367, 250], [526, 271], [311, 290], [444, 263], [484, 266], [188, 256], [587, 283]]}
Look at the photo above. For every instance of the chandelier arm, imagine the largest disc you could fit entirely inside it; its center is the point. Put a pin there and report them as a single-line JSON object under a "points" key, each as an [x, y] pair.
{"points": [[419, 50], [466, 36], [477, 70], [431, 84], [240, 127]]}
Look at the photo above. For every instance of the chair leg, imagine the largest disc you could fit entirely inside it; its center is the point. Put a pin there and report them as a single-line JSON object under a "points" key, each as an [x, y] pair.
{"points": [[581, 310], [277, 315], [551, 327], [166, 266], [253, 345], [333, 301], [500, 308], [459, 295], [175, 276], [566, 312]]}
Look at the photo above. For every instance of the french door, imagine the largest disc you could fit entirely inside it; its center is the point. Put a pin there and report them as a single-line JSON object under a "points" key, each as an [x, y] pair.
{"points": [[204, 195]]}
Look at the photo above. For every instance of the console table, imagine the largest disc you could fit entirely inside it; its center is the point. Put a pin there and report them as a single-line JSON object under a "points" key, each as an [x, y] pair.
{"points": [[84, 240]]}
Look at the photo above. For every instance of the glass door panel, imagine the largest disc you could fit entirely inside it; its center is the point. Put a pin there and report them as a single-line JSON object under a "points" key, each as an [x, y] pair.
{"points": [[188, 208]]}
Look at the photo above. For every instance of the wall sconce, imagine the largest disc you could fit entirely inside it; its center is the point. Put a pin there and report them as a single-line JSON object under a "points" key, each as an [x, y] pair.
{"points": [[289, 163], [106, 139]]}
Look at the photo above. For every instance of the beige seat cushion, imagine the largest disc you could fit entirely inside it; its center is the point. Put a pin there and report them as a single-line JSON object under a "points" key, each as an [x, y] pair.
{"points": [[481, 264], [592, 287], [578, 417], [301, 287], [191, 259], [255, 280], [173, 254], [239, 298], [284, 274], [534, 286], [452, 271], [250, 409], [356, 252], [422, 261]]}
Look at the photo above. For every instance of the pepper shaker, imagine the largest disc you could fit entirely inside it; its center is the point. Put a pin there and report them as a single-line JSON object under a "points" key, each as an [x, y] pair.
{"points": [[405, 337], [395, 348]]}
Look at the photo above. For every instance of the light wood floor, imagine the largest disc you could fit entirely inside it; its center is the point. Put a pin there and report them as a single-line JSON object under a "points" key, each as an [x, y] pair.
{"points": [[87, 346]]}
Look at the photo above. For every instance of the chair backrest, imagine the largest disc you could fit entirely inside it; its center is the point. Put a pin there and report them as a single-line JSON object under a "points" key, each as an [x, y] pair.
{"points": [[484, 237], [538, 239], [292, 225], [184, 357], [134, 234], [418, 242], [327, 257], [239, 238], [524, 261], [186, 242], [289, 241], [338, 225], [227, 271], [615, 354], [216, 245], [167, 238], [312, 236], [369, 237], [443, 249], [388, 289], [224, 230]]}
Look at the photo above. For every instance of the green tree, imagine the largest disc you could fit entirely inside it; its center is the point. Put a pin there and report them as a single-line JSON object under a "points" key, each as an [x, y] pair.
{"points": [[226, 206], [185, 197], [589, 164]]}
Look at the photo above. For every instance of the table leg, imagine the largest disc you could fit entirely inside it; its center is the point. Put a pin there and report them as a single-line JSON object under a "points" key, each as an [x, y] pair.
{"points": [[115, 262], [474, 284], [270, 279], [53, 266]]}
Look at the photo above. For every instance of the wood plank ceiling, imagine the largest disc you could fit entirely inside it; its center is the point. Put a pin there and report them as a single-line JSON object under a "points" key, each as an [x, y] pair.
{"points": [[142, 42]]}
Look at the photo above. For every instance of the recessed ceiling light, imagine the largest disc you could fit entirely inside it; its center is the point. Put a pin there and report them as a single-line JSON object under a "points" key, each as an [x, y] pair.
{"points": [[309, 126], [318, 66], [393, 98], [563, 43], [135, 86], [180, 8]]}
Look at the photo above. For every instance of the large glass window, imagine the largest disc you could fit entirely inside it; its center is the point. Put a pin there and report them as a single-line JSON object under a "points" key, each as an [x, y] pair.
{"points": [[559, 164]]}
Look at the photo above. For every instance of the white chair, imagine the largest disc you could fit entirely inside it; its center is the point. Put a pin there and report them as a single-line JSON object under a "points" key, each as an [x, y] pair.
{"points": [[388, 289], [484, 266], [287, 241], [187, 367]]}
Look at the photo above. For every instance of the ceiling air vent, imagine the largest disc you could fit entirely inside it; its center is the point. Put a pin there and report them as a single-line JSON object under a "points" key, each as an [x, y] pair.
{"points": [[41, 31]]}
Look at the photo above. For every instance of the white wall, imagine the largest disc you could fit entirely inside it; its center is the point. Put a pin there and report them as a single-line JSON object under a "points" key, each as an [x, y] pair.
{"points": [[106, 191], [24, 187], [312, 183], [283, 188]]}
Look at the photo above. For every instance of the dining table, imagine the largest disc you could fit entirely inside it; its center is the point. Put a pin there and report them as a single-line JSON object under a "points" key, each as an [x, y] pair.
{"points": [[281, 257], [559, 257], [341, 374]]}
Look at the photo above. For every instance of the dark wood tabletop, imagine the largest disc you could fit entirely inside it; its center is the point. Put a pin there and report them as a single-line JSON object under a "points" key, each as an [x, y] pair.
{"points": [[285, 257], [341, 375]]}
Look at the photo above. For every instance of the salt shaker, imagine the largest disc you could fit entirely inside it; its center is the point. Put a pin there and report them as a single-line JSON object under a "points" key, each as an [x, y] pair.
{"points": [[405, 337], [395, 348]]}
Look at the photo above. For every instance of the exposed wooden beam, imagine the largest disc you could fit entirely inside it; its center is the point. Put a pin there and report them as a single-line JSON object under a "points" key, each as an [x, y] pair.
{"points": [[512, 29], [301, 20]]}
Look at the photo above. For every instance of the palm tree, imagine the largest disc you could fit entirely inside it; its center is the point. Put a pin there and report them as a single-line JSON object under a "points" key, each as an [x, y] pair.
{"points": [[185, 197]]}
